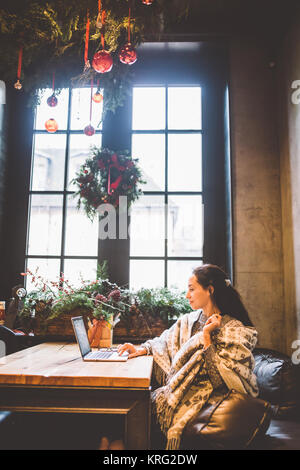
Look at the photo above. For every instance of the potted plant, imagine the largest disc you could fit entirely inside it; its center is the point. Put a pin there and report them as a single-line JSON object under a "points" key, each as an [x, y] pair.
{"points": [[140, 314], [151, 312], [49, 307]]}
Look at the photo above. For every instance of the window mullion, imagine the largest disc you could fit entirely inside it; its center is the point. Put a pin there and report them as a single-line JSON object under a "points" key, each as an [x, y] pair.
{"points": [[65, 193], [166, 188]]}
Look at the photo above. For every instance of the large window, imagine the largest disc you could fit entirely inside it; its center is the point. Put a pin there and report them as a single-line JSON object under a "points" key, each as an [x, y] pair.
{"points": [[166, 237], [176, 123], [61, 238], [166, 234]]}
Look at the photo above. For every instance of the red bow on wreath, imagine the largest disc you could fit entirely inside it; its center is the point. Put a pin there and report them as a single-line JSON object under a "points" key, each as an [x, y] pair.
{"points": [[112, 186]]}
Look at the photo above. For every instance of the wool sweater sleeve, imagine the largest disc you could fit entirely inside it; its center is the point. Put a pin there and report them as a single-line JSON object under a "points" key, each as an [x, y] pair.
{"points": [[163, 337], [211, 366]]}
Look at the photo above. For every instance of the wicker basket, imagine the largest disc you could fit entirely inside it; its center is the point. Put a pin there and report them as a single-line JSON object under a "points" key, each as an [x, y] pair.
{"points": [[60, 326], [137, 330]]}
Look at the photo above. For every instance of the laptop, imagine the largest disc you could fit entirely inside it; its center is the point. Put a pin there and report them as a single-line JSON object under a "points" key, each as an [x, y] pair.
{"points": [[104, 354]]}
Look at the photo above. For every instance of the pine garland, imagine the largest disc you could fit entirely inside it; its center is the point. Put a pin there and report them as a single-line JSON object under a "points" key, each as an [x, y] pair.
{"points": [[53, 32]]}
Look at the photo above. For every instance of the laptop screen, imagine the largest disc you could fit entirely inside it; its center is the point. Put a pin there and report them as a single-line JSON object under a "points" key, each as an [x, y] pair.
{"points": [[81, 336]]}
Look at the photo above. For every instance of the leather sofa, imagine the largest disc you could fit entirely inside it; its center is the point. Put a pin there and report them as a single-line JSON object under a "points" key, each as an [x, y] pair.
{"points": [[279, 384]]}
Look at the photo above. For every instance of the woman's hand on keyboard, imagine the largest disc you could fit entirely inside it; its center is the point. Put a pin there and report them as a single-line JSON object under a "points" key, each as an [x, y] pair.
{"points": [[132, 350]]}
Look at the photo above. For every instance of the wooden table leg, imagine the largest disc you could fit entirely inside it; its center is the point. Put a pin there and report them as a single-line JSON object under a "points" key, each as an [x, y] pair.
{"points": [[137, 425]]}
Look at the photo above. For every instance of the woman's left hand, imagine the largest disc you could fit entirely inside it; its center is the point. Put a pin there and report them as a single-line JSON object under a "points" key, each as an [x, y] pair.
{"points": [[212, 323]]}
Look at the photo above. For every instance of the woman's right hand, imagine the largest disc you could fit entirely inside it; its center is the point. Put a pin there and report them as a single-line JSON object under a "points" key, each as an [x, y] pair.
{"points": [[133, 351]]}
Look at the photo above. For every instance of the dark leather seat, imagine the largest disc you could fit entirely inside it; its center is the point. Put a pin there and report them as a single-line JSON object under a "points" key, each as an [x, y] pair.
{"points": [[279, 384], [278, 381], [9, 339], [12, 342], [282, 434]]}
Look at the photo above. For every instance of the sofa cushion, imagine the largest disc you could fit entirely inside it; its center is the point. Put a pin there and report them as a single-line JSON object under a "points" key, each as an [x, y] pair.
{"points": [[232, 423], [282, 435], [278, 381]]}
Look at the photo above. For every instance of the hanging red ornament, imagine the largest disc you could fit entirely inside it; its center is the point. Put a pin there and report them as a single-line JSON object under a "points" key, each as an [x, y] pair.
{"points": [[147, 2], [97, 97], [86, 46], [99, 23], [52, 100], [128, 54], [51, 125], [89, 130], [18, 84], [102, 62]]}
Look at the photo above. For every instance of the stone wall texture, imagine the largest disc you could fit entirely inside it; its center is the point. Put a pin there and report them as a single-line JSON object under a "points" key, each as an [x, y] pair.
{"points": [[289, 141], [257, 222]]}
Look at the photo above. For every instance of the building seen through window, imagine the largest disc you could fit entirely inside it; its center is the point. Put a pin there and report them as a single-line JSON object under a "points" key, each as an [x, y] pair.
{"points": [[166, 230]]}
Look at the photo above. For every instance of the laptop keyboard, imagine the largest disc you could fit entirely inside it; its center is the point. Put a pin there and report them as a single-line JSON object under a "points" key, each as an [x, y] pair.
{"points": [[101, 354]]}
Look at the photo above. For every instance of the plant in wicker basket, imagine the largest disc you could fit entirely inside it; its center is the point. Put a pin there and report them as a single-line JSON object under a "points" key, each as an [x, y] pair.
{"points": [[151, 312], [51, 304], [144, 313]]}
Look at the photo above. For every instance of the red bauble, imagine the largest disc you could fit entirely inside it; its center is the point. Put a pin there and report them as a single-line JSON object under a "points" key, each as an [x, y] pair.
{"points": [[98, 98], [18, 85], [102, 62], [51, 125], [147, 2], [52, 101], [128, 54], [89, 130]]}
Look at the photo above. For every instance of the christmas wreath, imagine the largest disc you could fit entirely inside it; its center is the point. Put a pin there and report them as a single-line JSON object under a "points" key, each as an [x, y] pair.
{"points": [[104, 177]]}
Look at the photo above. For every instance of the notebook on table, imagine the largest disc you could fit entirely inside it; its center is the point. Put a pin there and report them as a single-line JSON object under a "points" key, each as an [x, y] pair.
{"points": [[104, 354]]}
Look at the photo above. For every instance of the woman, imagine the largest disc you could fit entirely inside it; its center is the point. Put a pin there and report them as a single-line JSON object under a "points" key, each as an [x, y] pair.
{"points": [[205, 353]]}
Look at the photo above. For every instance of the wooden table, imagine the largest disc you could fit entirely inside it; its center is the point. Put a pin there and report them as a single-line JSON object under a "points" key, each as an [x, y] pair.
{"points": [[52, 377]]}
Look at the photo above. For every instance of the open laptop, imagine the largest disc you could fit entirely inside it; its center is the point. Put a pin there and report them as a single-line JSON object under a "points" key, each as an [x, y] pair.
{"points": [[104, 354]]}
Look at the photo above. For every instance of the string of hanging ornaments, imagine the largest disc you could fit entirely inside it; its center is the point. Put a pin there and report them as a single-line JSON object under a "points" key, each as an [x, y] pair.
{"points": [[51, 34], [102, 63], [128, 53], [51, 124], [98, 97], [18, 84], [89, 129]]}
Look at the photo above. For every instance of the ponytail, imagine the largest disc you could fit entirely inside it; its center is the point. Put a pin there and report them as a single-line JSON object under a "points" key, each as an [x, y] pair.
{"points": [[224, 296]]}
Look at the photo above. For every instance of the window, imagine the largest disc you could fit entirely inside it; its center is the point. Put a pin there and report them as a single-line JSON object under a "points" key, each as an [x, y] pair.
{"points": [[176, 123], [61, 238], [166, 233]]}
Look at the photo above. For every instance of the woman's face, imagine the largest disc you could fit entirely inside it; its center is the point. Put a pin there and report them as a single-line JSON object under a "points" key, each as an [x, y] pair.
{"points": [[197, 295]]}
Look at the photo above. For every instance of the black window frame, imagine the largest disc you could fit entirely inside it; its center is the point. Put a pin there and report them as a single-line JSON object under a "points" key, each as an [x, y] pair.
{"points": [[166, 193], [65, 193], [206, 63]]}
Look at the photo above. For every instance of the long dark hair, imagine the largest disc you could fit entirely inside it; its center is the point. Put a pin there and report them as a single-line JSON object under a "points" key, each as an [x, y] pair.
{"points": [[224, 296]]}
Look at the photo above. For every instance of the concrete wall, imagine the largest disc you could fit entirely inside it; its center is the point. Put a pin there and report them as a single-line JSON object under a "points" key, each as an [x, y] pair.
{"points": [[289, 126], [257, 226]]}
